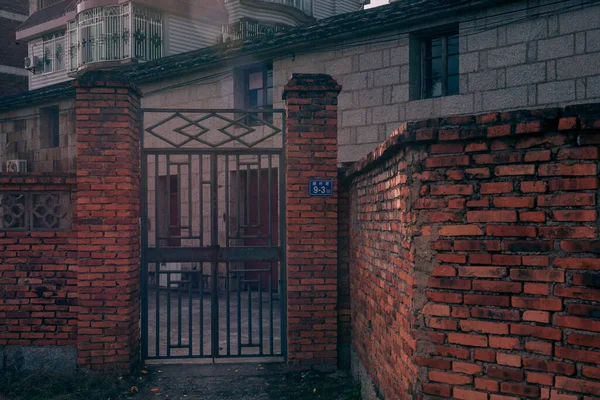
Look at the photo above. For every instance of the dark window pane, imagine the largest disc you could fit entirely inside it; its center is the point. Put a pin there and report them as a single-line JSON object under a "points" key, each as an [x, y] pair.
{"points": [[427, 44], [269, 96], [453, 65], [453, 84], [436, 47], [269, 78], [453, 44], [252, 98]]}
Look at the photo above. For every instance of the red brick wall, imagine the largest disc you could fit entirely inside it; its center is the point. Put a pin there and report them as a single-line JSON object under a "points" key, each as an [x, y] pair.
{"points": [[38, 275], [382, 285], [343, 277], [475, 257], [107, 220], [311, 225]]}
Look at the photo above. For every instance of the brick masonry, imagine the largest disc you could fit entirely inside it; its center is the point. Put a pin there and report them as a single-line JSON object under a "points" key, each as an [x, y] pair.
{"points": [[38, 275], [474, 257], [311, 225], [107, 220]]}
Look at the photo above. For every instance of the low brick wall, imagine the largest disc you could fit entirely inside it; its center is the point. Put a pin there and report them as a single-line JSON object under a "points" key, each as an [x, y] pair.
{"points": [[38, 275], [474, 257]]}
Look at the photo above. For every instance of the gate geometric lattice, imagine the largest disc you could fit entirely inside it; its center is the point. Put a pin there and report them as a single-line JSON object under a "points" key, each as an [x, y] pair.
{"points": [[213, 209]]}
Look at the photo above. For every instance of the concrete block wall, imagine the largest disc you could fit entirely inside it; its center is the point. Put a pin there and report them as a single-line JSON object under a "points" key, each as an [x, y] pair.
{"points": [[474, 268], [20, 138], [511, 56]]}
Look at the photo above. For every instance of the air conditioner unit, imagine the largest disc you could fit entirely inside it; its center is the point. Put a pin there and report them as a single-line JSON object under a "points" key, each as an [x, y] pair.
{"points": [[31, 63], [19, 166]]}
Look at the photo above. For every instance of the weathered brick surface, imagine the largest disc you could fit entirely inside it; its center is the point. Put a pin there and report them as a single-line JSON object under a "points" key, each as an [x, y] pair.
{"points": [[474, 268], [107, 221], [312, 225], [343, 281], [38, 275]]}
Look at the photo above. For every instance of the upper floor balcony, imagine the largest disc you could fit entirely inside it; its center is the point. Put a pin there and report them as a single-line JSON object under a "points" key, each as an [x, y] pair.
{"points": [[305, 6], [114, 34]]}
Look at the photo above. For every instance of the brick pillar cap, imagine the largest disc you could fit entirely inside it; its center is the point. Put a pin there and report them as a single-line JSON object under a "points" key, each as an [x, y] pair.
{"points": [[311, 83], [105, 78]]}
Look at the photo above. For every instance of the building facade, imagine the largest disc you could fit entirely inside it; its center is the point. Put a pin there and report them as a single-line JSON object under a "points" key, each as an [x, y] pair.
{"points": [[68, 36], [13, 77], [498, 58], [503, 77]]}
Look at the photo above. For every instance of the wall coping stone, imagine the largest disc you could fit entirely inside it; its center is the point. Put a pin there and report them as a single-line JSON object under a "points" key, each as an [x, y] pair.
{"points": [[488, 126], [36, 178], [311, 83]]}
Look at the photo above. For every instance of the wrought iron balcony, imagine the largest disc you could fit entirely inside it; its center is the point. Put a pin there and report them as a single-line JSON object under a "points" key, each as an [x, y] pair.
{"points": [[115, 33], [245, 29], [303, 5]]}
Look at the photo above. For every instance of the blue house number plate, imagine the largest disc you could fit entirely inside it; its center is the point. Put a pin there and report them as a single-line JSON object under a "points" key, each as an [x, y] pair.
{"points": [[320, 187]]}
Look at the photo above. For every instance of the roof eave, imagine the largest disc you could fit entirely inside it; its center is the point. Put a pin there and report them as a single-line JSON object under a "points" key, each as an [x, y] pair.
{"points": [[49, 26]]}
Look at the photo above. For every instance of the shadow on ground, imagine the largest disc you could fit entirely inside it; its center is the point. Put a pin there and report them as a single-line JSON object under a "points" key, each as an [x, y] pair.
{"points": [[206, 382]]}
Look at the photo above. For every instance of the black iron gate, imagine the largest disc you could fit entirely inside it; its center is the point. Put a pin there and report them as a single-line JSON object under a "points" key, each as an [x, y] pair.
{"points": [[213, 264]]}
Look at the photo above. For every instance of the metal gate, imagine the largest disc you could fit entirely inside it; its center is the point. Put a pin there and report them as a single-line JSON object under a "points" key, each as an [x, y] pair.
{"points": [[213, 208]]}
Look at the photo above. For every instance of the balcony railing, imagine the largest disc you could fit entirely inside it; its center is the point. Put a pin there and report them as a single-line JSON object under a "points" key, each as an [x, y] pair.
{"points": [[303, 5], [246, 29], [115, 33]]}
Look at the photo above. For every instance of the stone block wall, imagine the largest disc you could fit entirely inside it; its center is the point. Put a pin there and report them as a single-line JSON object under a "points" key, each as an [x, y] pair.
{"points": [[513, 55], [21, 138], [38, 283], [474, 257]]}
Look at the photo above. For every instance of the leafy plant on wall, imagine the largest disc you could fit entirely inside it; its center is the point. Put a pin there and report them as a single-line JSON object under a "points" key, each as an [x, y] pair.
{"points": [[139, 36], [156, 40], [60, 53]]}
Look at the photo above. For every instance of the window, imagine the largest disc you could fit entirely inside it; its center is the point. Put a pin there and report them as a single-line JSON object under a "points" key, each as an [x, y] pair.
{"points": [[49, 127], [258, 84], [439, 69], [54, 55]]}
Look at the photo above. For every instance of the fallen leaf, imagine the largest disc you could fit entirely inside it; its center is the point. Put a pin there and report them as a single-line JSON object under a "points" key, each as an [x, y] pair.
{"points": [[133, 389], [155, 390], [144, 372], [315, 390]]}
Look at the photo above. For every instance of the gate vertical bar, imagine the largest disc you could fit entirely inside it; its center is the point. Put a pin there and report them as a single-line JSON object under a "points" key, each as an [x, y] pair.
{"points": [[282, 246], [144, 238], [214, 235]]}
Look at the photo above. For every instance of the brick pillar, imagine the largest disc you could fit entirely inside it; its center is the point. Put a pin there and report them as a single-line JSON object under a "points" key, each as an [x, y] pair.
{"points": [[107, 220], [311, 227]]}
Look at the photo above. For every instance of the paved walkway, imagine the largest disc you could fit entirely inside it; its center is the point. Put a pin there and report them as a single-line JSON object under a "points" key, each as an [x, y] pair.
{"points": [[243, 382]]}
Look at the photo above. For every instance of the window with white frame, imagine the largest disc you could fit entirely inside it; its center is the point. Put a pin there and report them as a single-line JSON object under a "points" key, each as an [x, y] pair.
{"points": [[54, 52]]}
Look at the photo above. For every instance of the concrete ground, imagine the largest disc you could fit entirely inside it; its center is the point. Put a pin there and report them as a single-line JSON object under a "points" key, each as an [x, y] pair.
{"points": [[244, 382]]}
